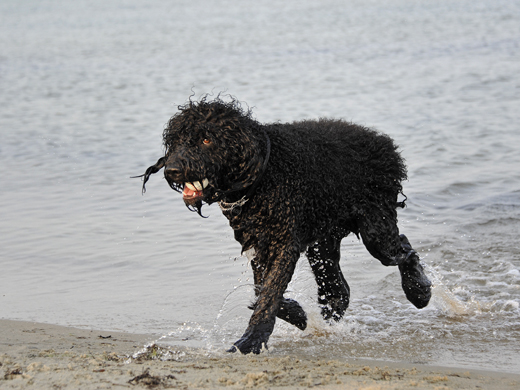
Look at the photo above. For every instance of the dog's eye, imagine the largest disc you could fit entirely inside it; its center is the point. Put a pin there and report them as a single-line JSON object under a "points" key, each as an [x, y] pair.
{"points": [[206, 141]]}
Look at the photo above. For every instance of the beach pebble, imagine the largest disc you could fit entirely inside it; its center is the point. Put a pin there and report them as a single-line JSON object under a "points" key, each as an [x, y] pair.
{"points": [[36, 366]]}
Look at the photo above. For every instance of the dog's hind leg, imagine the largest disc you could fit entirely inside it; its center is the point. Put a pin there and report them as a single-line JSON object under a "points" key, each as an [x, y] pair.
{"points": [[333, 290], [381, 238], [416, 285]]}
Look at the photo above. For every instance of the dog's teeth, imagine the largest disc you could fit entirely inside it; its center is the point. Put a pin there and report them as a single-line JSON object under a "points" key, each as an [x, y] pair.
{"points": [[191, 186], [197, 185]]}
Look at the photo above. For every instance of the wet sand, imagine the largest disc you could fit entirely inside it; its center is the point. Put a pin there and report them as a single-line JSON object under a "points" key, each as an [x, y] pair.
{"points": [[42, 356]]}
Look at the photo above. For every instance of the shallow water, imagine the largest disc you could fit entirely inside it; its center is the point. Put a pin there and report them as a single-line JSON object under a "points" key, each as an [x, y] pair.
{"points": [[86, 88]]}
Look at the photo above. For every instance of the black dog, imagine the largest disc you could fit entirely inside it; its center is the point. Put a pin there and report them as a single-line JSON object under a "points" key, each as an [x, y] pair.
{"points": [[290, 188]]}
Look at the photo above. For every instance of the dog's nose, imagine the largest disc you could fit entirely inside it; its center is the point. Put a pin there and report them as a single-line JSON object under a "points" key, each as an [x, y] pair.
{"points": [[173, 171]]}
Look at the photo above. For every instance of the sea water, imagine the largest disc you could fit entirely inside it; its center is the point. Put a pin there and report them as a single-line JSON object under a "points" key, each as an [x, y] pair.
{"points": [[87, 86]]}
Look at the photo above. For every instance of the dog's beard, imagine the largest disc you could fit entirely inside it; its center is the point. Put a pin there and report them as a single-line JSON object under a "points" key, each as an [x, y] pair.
{"points": [[192, 194], [195, 206]]}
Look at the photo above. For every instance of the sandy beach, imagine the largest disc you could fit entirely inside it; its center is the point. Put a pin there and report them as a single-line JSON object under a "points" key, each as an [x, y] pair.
{"points": [[42, 356]]}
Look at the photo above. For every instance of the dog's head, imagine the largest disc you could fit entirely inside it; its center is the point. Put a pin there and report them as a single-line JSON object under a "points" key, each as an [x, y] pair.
{"points": [[212, 149]]}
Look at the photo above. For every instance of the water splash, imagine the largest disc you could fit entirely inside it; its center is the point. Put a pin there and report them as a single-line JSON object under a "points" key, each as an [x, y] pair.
{"points": [[232, 317]]}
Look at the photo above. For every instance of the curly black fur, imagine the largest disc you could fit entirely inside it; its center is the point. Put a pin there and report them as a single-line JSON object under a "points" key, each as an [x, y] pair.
{"points": [[292, 188]]}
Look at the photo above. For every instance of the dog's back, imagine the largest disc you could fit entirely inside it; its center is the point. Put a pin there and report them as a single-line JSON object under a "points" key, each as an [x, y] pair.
{"points": [[334, 157]]}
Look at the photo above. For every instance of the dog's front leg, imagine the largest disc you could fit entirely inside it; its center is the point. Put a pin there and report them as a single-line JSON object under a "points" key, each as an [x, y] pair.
{"points": [[270, 297], [289, 310]]}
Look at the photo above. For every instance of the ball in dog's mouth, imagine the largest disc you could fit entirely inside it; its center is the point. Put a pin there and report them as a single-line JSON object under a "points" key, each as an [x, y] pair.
{"points": [[194, 191]]}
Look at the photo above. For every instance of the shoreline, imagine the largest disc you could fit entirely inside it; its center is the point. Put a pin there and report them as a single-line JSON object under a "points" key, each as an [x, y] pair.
{"points": [[44, 356]]}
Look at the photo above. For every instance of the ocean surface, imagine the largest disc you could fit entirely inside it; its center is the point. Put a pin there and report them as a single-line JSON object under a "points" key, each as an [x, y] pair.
{"points": [[86, 88]]}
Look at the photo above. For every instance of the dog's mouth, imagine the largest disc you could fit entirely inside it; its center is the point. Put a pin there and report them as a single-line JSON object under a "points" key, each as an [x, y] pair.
{"points": [[193, 191]]}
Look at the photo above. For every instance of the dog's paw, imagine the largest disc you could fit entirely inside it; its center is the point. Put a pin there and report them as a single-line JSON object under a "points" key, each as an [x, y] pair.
{"points": [[416, 285], [293, 313], [334, 310], [248, 345], [333, 307]]}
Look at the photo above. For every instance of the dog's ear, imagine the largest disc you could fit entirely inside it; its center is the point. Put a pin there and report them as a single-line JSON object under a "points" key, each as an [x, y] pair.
{"points": [[248, 177], [151, 170], [254, 171]]}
